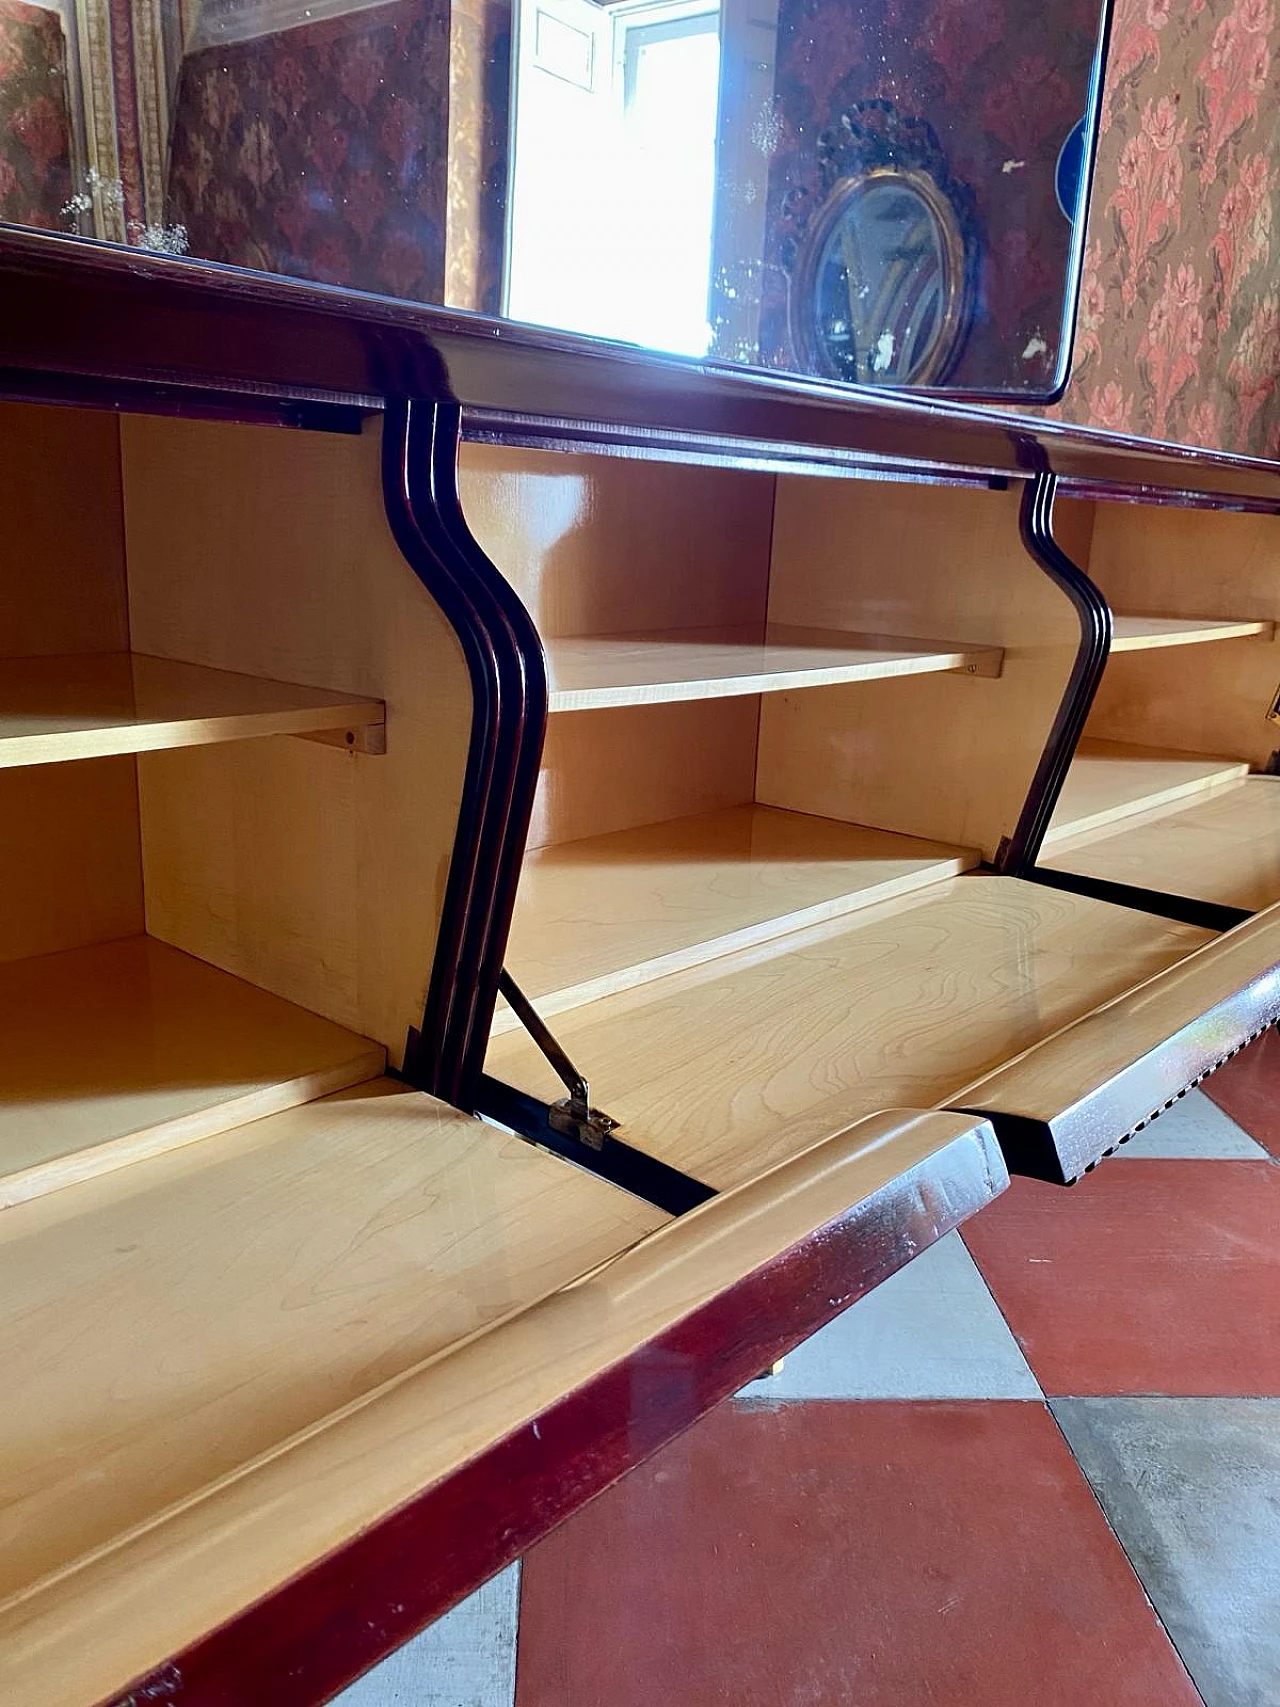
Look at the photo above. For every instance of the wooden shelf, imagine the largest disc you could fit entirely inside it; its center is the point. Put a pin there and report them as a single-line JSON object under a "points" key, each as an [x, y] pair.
{"points": [[1143, 633], [602, 915], [1111, 780], [89, 706], [588, 672], [731, 1067], [127, 1048], [1225, 848]]}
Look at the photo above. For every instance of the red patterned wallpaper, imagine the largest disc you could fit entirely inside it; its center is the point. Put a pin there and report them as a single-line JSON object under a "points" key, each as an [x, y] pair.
{"points": [[321, 151], [35, 156], [1178, 331], [1001, 91]]}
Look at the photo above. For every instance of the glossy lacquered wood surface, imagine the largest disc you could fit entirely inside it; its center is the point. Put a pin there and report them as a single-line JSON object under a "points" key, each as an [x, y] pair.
{"points": [[1223, 848], [93, 705], [120, 1050], [332, 1398], [588, 672], [1111, 780], [608, 912], [736, 1065], [93, 320]]}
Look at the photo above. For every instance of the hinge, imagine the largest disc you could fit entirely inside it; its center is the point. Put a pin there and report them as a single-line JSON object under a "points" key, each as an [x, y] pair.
{"points": [[571, 1116]]}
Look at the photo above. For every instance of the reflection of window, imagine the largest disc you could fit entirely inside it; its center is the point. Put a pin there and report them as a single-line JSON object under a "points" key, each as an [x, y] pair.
{"points": [[613, 171]]}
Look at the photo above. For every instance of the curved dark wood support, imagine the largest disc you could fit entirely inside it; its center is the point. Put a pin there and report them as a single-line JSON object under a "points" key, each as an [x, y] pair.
{"points": [[505, 662], [1017, 854]]}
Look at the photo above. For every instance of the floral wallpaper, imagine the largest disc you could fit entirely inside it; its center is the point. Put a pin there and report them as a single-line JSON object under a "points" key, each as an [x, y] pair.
{"points": [[1001, 90], [321, 151], [35, 161], [1178, 329]]}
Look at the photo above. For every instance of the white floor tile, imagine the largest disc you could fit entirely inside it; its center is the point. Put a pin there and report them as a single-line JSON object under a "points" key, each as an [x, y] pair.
{"points": [[466, 1659], [1194, 1129], [931, 1331]]}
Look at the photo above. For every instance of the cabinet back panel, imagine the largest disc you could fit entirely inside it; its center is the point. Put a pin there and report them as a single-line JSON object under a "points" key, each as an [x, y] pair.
{"points": [[1170, 562], [70, 872], [640, 764], [62, 546], [948, 757], [316, 873], [601, 545]]}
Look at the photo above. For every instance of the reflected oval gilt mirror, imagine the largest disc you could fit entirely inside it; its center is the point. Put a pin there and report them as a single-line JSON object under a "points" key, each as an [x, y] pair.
{"points": [[879, 294], [883, 272]]}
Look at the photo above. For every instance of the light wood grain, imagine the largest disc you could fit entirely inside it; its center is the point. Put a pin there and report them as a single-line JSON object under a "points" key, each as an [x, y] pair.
{"points": [[62, 578], [595, 545], [345, 1294], [604, 914], [1126, 1061], [1111, 780], [588, 672], [1223, 848], [70, 869], [1148, 633], [112, 1053], [316, 873], [941, 756], [91, 706], [613, 770], [1190, 564], [70, 866], [163, 1327], [736, 1065]]}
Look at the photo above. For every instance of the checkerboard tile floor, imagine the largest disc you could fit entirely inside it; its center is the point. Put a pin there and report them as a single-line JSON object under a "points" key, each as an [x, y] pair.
{"points": [[1041, 1463]]}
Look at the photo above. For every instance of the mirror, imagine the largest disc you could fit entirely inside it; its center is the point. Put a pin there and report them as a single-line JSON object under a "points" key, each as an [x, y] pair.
{"points": [[882, 283], [852, 189]]}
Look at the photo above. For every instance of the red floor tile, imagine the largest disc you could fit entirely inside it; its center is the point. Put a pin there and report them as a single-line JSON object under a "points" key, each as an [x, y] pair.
{"points": [[844, 1554], [1149, 1277], [1248, 1089]]}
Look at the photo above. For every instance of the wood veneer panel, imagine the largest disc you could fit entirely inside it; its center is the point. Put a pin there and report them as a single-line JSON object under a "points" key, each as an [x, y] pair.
{"points": [[642, 764], [316, 873], [434, 1449], [1223, 848], [70, 869], [70, 865], [608, 912], [91, 705], [733, 1066], [589, 672], [62, 578], [1190, 564], [114, 1052], [944, 756], [1111, 780], [595, 545]]}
